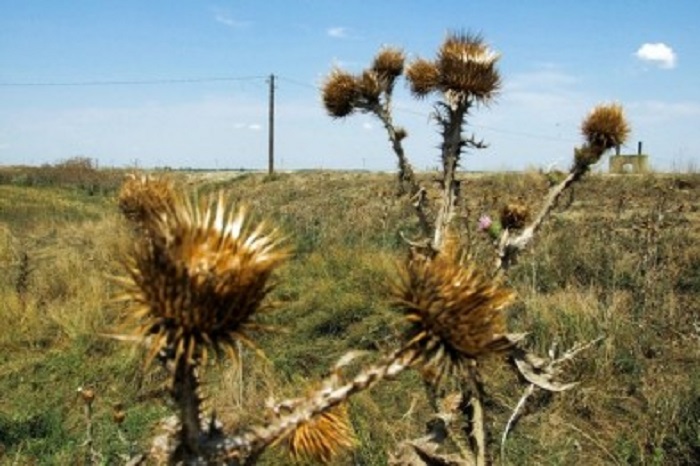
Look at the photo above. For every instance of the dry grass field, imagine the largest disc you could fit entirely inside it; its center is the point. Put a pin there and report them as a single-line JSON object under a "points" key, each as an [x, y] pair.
{"points": [[619, 259]]}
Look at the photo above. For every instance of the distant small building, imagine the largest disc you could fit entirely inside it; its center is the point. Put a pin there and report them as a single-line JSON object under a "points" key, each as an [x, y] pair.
{"points": [[629, 163]]}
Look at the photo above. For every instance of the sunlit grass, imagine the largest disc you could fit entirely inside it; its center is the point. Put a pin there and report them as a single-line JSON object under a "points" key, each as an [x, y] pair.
{"points": [[638, 397]]}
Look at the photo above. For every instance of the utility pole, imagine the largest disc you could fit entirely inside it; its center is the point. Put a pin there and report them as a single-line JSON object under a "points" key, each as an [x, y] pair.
{"points": [[271, 128]]}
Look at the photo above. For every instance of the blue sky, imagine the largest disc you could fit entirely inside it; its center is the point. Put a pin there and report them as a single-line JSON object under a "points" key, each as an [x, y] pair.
{"points": [[559, 59]]}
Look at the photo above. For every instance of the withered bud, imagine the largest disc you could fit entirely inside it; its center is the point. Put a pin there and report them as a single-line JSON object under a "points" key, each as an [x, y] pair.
{"points": [[514, 216], [401, 133], [87, 395], [423, 77], [118, 413], [340, 93]]}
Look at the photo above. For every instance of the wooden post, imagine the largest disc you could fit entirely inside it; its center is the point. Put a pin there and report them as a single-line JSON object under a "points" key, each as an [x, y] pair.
{"points": [[271, 128]]}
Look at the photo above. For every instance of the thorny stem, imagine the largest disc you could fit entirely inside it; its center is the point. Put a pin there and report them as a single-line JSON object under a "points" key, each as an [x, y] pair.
{"points": [[473, 409], [90, 436], [406, 173], [257, 439], [509, 247], [451, 151], [185, 392]]}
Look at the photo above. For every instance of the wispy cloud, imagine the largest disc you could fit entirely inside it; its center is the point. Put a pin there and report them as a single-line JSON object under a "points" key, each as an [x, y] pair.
{"points": [[250, 126], [227, 20], [658, 54], [337, 32], [545, 76], [662, 111]]}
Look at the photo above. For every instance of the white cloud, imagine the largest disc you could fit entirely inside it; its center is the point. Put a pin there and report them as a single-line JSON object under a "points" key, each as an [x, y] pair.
{"points": [[254, 127], [657, 53], [337, 32], [367, 126]]}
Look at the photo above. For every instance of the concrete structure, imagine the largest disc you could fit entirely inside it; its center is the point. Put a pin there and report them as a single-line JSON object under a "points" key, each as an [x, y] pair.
{"points": [[629, 163]]}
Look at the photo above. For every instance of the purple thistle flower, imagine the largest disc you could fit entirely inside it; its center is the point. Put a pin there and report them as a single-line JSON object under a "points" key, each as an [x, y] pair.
{"points": [[485, 223]]}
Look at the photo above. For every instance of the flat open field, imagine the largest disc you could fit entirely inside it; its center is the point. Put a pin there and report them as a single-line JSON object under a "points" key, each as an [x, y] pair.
{"points": [[618, 259]]}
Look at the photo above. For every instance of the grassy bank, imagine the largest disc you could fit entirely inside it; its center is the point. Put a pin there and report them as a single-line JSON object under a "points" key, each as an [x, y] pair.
{"points": [[620, 258]]}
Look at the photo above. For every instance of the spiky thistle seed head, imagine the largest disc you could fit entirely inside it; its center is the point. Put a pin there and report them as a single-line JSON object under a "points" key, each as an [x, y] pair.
{"points": [[340, 93], [455, 313], [142, 199], [388, 64], [514, 216], [369, 88], [423, 77], [323, 437], [467, 67], [605, 127], [199, 282]]}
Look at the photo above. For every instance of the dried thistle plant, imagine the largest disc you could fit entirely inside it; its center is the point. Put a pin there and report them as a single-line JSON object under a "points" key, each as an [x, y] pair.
{"points": [[467, 68], [371, 92], [455, 313], [201, 280], [340, 94], [388, 65], [423, 77], [605, 127], [143, 198]]}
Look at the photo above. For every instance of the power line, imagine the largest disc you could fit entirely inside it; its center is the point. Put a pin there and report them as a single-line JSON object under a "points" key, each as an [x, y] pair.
{"points": [[132, 82], [496, 130], [298, 83], [145, 82]]}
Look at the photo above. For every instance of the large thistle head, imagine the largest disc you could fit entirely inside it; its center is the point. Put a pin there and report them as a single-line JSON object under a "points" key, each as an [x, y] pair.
{"points": [[200, 280], [388, 65], [605, 127], [340, 93], [465, 68], [455, 313]]}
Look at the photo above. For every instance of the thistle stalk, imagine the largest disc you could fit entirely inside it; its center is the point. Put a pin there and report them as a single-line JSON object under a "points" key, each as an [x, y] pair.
{"points": [[252, 443], [185, 392], [451, 151]]}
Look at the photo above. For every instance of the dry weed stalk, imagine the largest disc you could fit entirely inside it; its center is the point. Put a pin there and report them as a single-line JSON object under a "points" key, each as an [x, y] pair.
{"points": [[464, 74]]}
